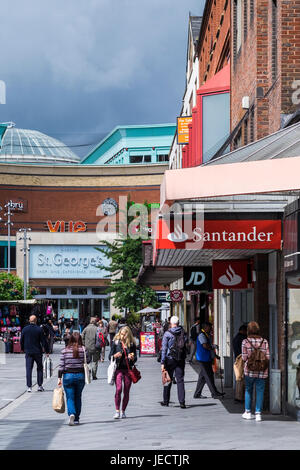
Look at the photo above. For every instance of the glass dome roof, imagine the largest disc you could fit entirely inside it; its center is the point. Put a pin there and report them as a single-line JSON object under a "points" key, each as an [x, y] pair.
{"points": [[27, 146]]}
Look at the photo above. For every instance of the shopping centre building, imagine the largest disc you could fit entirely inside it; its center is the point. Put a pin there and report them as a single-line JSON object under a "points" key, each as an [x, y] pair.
{"points": [[65, 204]]}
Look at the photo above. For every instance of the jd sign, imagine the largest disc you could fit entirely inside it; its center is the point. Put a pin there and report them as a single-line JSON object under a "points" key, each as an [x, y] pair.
{"points": [[197, 278]]}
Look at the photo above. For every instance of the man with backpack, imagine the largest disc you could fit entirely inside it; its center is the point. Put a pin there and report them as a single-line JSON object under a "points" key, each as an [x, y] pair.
{"points": [[89, 338], [256, 356], [173, 354], [205, 355], [194, 333]]}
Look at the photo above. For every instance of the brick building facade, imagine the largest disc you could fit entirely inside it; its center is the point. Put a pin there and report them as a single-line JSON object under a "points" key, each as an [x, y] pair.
{"points": [[265, 51]]}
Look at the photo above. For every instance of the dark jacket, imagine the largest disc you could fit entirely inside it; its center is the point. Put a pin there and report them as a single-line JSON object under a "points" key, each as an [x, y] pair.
{"points": [[168, 341], [33, 340], [121, 362], [237, 344]]}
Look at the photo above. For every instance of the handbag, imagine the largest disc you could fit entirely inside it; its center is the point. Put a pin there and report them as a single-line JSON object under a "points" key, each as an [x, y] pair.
{"points": [[134, 373], [87, 372], [58, 400], [238, 368], [111, 371], [165, 378]]}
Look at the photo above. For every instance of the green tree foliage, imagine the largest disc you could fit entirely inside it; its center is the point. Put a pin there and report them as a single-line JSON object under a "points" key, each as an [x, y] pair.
{"points": [[125, 259], [11, 287]]}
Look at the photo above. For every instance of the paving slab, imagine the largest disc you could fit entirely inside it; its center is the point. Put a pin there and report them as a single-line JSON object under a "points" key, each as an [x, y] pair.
{"points": [[29, 422]]}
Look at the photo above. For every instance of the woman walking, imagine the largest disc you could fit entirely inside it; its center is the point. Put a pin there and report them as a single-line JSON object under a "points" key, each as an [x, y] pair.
{"points": [[103, 330], [71, 366], [256, 355], [123, 349]]}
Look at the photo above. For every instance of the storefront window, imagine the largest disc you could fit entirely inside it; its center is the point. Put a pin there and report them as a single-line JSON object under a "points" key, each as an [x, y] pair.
{"points": [[293, 333], [68, 307]]}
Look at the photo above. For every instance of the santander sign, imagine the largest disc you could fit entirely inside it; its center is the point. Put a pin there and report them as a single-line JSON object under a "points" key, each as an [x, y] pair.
{"points": [[223, 234]]}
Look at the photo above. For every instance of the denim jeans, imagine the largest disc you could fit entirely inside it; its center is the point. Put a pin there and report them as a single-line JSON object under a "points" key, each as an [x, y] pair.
{"points": [[259, 387], [73, 386]]}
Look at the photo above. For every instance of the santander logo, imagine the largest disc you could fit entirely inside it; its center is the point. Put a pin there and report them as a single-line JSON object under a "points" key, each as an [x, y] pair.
{"points": [[230, 278], [178, 235]]}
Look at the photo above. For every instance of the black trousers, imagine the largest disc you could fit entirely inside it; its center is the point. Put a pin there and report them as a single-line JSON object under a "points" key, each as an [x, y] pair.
{"points": [[206, 376], [177, 368], [30, 360]]}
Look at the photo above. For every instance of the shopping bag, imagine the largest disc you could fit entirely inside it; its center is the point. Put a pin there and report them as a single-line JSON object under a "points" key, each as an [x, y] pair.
{"points": [[58, 400], [111, 371], [87, 371], [48, 367], [165, 378]]}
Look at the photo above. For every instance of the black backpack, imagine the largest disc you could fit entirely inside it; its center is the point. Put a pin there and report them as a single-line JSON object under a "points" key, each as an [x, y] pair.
{"points": [[178, 349]]}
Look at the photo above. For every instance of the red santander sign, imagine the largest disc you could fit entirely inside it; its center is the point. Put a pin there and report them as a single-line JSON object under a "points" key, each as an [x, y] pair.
{"points": [[220, 234], [230, 274]]}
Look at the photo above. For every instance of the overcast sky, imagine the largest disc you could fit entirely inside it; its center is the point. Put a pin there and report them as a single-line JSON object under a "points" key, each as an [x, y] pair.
{"points": [[76, 69]]}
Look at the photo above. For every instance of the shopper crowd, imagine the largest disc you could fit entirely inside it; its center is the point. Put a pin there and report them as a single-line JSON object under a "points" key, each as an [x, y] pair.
{"points": [[83, 352]]}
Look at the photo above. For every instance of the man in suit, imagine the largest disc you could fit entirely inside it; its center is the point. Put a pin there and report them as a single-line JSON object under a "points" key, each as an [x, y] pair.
{"points": [[33, 343]]}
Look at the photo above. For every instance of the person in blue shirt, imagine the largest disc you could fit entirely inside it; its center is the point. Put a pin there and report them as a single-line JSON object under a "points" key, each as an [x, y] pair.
{"points": [[205, 354]]}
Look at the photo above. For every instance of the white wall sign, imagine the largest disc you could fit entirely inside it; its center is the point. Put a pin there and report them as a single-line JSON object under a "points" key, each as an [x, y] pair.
{"points": [[66, 262]]}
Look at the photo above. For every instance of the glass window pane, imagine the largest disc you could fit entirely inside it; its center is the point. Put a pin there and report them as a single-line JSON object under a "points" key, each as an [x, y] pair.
{"points": [[216, 123], [136, 158], [79, 291], [293, 346], [59, 291], [98, 291]]}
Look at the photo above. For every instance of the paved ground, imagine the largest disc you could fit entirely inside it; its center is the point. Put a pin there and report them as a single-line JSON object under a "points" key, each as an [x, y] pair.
{"points": [[27, 421]]}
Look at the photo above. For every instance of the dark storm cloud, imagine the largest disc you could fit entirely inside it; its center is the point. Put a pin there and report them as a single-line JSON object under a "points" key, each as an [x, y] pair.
{"points": [[75, 69]]}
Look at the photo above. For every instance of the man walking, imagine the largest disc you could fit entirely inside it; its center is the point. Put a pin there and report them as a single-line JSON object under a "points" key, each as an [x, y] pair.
{"points": [[33, 342], [89, 341], [194, 333], [205, 354], [173, 356]]}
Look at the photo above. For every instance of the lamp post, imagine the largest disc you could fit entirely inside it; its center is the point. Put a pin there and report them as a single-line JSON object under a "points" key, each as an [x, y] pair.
{"points": [[25, 249], [8, 214]]}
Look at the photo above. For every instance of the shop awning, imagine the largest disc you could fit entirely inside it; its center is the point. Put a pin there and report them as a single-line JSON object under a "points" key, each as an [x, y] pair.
{"points": [[229, 179]]}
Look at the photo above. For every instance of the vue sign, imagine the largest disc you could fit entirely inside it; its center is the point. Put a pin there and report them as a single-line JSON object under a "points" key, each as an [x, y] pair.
{"points": [[62, 226]]}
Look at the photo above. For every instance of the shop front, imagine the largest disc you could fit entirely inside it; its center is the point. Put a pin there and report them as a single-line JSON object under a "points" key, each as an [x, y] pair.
{"points": [[69, 273], [292, 321]]}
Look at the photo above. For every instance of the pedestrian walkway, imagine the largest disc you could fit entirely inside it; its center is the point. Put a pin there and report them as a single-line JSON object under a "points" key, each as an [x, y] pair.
{"points": [[28, 422]]}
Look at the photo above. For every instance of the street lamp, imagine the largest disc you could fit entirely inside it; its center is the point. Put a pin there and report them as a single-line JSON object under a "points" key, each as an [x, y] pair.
{"points": [[25, 249], [8, 214]]}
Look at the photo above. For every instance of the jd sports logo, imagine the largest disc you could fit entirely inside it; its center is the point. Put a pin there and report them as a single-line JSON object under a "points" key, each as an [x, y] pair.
{"points": [[197, 278]]}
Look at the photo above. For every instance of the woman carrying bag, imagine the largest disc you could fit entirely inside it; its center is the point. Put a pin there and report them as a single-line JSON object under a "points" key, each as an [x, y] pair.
{"points": [[71, 367], [123, 349]]}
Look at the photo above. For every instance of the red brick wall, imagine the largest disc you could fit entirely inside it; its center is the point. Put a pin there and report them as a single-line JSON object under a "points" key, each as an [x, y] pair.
{"points": [[68, 204], [209, 58], [252, 68]]}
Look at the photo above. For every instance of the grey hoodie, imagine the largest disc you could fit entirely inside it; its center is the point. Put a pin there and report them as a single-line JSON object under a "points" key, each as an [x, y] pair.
{"points": [[168, 341]]}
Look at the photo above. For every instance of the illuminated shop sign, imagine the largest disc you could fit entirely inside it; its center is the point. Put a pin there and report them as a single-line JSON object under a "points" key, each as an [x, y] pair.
{"points": [[66, 262], [62, 226]]}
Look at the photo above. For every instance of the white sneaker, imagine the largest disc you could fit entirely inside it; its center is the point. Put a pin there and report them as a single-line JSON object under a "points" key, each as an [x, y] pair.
{"points": [[29, 389], [117, 415], [123, 415], [71, 420], [258, 416], [41, 389], [248, 415]]}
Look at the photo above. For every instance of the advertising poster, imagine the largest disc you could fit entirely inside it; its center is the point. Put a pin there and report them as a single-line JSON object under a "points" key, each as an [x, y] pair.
{"points": [[147, 343]]}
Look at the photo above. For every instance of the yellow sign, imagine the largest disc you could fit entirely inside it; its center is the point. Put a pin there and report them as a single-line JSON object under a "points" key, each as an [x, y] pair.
{"points": [[183, 129]]}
